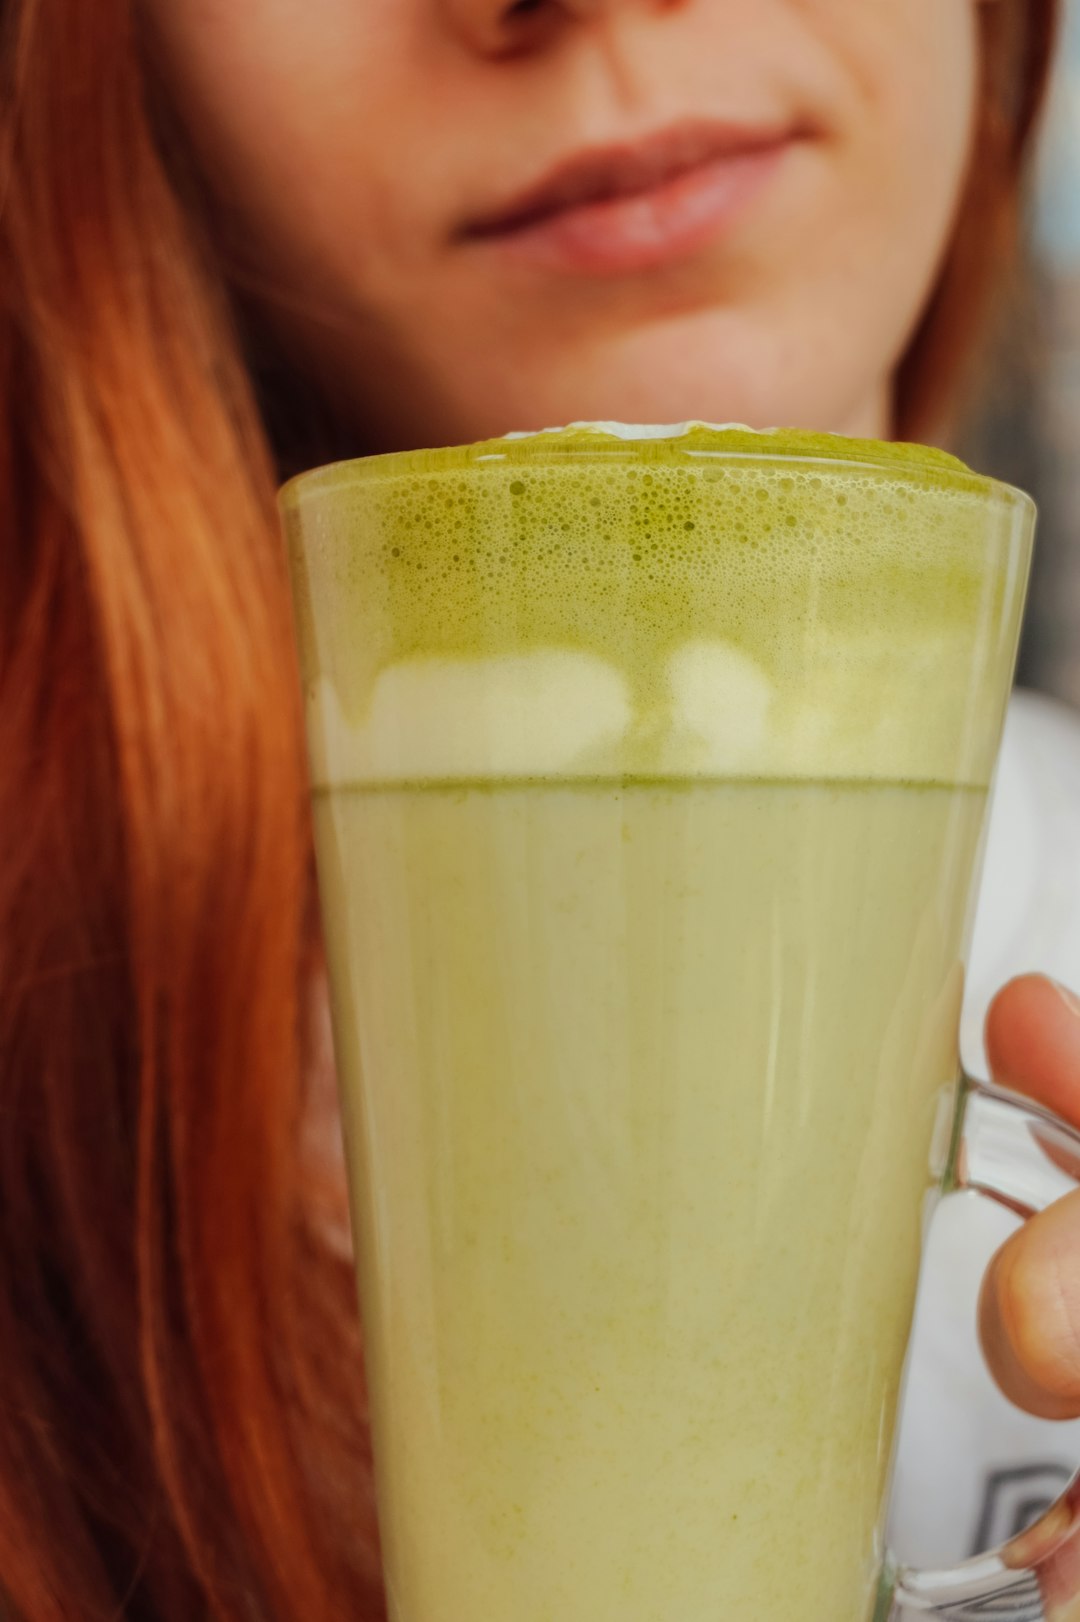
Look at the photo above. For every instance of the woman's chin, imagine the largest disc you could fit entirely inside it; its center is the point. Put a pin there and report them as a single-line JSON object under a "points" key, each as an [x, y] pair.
{"points": [[712, 370]]}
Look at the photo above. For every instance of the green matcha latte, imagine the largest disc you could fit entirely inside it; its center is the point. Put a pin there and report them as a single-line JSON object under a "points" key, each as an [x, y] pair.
{"points": [[649, 777]]}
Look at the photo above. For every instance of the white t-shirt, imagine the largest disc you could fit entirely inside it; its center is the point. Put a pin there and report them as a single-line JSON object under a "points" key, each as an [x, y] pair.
{"points": [[972, 1470]]}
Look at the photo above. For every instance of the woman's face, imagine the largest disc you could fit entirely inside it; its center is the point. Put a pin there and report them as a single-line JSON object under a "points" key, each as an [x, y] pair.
{"points": [[471, 216]]}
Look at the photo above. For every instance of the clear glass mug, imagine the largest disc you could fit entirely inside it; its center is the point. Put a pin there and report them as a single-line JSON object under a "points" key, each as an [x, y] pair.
{"points": [[649, 783]]}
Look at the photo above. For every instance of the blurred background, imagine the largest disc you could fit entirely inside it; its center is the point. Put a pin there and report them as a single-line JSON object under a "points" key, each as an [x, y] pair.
{"points": [[1028, 427]]}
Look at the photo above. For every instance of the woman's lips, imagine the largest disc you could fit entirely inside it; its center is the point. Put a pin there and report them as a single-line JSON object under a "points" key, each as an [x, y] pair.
{"points": [[636, 209]]}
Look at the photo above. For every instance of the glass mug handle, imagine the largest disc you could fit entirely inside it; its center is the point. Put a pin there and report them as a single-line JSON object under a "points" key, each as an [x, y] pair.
{"points": [[1025, 1158]]}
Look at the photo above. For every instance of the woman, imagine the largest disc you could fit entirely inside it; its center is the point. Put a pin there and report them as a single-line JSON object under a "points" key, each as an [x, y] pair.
{"points": [[234, 240]]}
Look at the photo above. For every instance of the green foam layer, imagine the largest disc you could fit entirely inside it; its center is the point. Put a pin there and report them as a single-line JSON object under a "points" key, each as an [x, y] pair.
{"points": [[689, 441], [712, 601]]}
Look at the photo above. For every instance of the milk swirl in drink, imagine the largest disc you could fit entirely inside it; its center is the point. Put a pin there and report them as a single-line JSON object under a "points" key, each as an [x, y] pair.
{"points": [[649, 782]]}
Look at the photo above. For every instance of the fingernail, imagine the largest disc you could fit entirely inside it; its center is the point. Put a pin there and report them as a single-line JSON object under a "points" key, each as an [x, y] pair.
{"points": [[1069, 998], [1039, 1540]]}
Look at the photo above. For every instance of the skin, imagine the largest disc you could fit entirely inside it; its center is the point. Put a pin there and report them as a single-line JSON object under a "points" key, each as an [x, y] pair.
{"points": [[315, 122], [1030, 1308], [346, 142]]}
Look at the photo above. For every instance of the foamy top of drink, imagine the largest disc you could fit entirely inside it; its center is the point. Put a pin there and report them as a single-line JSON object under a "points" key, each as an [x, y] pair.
{"points": [[688, 601]]}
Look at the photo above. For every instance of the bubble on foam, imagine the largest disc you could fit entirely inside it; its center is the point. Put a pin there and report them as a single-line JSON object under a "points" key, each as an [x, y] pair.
{"points": [[551, 711], [720, 703]]}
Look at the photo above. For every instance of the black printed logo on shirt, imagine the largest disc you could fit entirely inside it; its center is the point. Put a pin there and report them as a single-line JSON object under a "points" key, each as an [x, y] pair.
{"points": [[1015, 1497]]}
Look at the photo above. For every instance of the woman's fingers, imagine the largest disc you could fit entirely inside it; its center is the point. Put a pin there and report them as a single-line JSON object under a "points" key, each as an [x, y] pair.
{"points": [[1033, 1043], [1029, 1313], [1030, 1306]]}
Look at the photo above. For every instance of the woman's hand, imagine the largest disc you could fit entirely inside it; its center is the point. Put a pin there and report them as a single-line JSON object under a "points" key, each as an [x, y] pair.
{"points": [[1030, 1308]]}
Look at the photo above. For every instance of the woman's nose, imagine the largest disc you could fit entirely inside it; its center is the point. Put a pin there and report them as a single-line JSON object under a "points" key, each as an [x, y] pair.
{"points": [[499, 27]]}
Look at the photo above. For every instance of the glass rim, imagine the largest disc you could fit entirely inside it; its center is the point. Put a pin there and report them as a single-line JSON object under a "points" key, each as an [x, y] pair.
{"points": [[920, 465]]}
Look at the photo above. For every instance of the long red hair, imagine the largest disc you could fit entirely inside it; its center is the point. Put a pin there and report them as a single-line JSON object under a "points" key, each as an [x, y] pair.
{"points": [[181, 1404]]}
